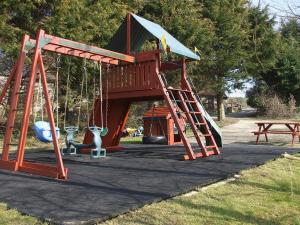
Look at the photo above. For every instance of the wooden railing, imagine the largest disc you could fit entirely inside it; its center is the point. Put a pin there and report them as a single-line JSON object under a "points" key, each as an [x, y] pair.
{"points": [[134, 76]]}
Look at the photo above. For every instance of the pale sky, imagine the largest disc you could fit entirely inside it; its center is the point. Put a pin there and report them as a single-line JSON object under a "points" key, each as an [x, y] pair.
{"points": [[279, 8]]}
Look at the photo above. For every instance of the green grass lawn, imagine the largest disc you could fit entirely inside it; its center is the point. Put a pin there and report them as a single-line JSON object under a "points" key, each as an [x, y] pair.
{"points": [[13, 217], [131, 140], [269, 194]]}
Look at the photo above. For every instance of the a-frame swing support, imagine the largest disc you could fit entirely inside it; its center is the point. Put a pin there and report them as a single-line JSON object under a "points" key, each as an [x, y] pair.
{"points": [[47, 43]]}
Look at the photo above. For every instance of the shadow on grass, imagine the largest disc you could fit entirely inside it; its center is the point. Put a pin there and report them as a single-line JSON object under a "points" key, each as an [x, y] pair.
{"points": [[278, 186], [226, 213]]}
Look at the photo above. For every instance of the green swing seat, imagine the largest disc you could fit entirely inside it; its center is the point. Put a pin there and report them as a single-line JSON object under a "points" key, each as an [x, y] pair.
{"points": [[73, 147]]}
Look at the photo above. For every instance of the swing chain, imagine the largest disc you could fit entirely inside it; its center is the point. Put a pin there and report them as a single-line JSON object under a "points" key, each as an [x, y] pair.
{"points": [[86, 92], [101, 91], [56, 89], [106, 95], [58, 59], [67, 92], [81, 96], [39, 99]]}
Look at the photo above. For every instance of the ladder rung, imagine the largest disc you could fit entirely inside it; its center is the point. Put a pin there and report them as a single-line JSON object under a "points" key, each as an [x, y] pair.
{"points": [[206, 135], [175, 89], [12, 144], [15, 110], [211, 153], [190, 101], [200, 124], [200, 154], [211, 146]]}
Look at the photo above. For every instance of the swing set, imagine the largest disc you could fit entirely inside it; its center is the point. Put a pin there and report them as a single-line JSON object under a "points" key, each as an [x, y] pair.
{"points": [[47, 131]]}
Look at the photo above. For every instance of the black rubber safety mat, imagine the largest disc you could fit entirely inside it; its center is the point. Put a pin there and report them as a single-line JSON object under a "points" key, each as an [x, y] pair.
{"points": [[102, 188]]}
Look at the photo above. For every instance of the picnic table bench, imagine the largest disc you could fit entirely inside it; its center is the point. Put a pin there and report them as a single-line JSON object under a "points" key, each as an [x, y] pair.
{"points": [[264, 129]]}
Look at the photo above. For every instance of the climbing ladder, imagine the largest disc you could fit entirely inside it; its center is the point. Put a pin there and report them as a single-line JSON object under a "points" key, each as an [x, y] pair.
{"points": [[214, 128], [184, 101]]}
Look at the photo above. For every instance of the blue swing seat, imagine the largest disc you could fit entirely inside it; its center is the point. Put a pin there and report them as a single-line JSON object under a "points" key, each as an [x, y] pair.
{"points": [[43, 131]]}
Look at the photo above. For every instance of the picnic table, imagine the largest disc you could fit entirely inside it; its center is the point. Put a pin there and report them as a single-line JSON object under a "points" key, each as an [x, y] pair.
{"points": [[264, 129]]}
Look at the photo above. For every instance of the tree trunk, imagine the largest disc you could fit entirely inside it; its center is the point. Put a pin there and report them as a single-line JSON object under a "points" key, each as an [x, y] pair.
{"points": [[220, 107]]}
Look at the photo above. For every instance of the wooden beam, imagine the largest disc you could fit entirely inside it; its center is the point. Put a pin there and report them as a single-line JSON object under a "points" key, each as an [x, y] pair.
{"points": [[77, 49], [170, 66], [79, 53], [88, 48], [128, 34]]}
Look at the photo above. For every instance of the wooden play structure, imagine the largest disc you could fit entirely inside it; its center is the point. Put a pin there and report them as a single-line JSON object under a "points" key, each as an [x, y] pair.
{"points": [[158, 122], [132, 76]]}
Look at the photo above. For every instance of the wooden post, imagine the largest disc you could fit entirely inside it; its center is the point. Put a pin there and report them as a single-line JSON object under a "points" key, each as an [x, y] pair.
{"points": [[258, 133], [293, 134], [14, 99], [8, 82], [28, 101], [57, 152], [183, 74], [265, 131], [128, 34]]}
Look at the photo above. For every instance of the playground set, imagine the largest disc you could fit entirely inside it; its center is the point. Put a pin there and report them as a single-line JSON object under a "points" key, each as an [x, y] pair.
{"points": [[131, 76]]}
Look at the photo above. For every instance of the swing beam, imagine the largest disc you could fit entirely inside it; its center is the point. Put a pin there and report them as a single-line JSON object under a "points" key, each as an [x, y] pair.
{"points": [[58, 45]]}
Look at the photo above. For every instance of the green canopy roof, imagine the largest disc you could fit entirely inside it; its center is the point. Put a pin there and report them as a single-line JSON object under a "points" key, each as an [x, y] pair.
{"points": [[142, 30]]}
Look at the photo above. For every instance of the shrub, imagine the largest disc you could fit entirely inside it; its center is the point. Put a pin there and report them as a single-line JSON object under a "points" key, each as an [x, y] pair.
{"points": [[272, 106]]}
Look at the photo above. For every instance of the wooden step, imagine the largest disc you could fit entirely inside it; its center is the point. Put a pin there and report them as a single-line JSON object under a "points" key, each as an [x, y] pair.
{"points": [[200, 155], [16, 110], [13, 144], [176, 89], [190, 101], [200, 124], [206, 135], [211, 146], [194, 112]]}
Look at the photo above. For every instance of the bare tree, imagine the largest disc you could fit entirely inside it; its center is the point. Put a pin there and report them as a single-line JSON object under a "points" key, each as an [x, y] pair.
{"points": [[290, 10]]}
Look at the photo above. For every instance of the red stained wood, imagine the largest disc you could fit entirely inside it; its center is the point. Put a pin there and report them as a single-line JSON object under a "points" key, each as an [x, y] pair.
{"points": [[117, 116]]}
